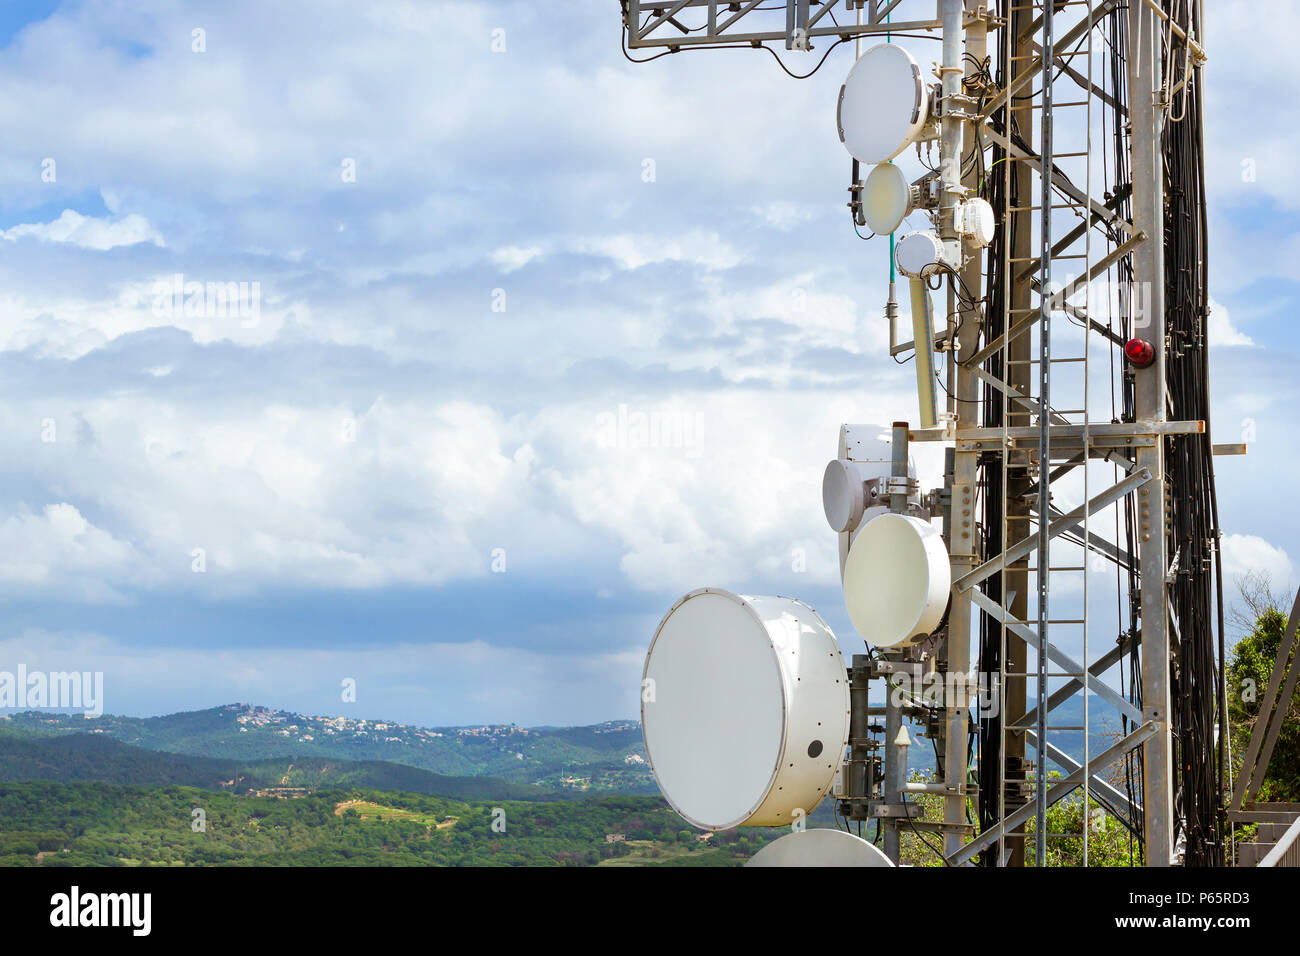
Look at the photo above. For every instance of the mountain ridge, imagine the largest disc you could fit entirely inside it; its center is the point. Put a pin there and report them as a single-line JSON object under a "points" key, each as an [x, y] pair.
{"points": [[608, 756], [97, 758]]}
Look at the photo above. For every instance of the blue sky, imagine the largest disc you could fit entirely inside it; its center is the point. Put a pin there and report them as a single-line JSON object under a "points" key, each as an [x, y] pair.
{"points": [[444, 342]]}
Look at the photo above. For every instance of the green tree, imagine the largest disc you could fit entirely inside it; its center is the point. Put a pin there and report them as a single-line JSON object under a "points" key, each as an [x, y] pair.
{"points": [[1109, 843], [1261, 620]]}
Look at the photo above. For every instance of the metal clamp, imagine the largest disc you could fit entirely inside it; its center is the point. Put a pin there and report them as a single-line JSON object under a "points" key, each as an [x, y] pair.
{"points": [[902, 486]]}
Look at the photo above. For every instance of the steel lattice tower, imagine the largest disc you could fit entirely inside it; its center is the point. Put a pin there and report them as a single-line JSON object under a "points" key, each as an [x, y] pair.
{"points": [[1077, 500]]}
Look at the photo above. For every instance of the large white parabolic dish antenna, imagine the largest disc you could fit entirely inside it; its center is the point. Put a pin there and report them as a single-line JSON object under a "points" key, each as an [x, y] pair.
{"points": [[819, 848], [744, 708], [883, 104], [896, 580]]}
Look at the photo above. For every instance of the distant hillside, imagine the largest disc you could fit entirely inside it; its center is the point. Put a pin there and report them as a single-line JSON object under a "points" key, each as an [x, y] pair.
{"points": [[85, 758], [94, 824], [25, 755], [605, 757]]}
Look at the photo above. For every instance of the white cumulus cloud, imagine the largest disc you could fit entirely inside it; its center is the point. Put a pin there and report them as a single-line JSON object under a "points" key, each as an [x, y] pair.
{"points": [[89, 232], [1247, 553]]}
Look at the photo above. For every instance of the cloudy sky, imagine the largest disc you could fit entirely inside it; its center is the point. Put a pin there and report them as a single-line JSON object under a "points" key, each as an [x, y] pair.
{"points": [[473, 249]]}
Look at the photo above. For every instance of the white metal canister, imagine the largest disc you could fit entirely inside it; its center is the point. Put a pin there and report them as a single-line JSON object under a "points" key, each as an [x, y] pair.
{"points": [[744, 708]]}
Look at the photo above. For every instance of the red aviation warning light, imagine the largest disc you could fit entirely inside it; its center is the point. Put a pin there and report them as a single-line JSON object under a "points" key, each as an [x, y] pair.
{"points": [[1139, 353]]}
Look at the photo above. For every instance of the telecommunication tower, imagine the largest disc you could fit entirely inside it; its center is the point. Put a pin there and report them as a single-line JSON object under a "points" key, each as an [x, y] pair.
{"points": [[1055, 266]]}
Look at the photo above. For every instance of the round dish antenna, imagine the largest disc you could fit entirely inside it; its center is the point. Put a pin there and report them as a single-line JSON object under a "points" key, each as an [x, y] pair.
{"points": [[883, 104], [919, 254], [976, 221], [819, 848], [843, 495], [745, 709], [886, 198], [896, 580]]}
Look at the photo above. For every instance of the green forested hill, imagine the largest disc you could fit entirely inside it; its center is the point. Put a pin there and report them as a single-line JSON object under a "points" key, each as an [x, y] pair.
{"points": [[78, 799], [31, 756], [92, 824], [603, 757], [81, 757]]}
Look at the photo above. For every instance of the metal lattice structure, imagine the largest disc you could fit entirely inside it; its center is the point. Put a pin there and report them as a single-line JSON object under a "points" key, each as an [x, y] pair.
{"points": [[1069, 473]]}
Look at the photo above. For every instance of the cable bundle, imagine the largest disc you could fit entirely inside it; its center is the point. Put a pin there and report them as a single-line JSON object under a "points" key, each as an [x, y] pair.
{"points": [[1192, 513]]}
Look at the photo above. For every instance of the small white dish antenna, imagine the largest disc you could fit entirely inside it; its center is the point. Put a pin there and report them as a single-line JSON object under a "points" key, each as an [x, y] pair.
{"points": [[821, 847], [744, 708], [886, 199], [975, 221], [883, 104], [896, 580], [843, 495], [919, 254]]}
